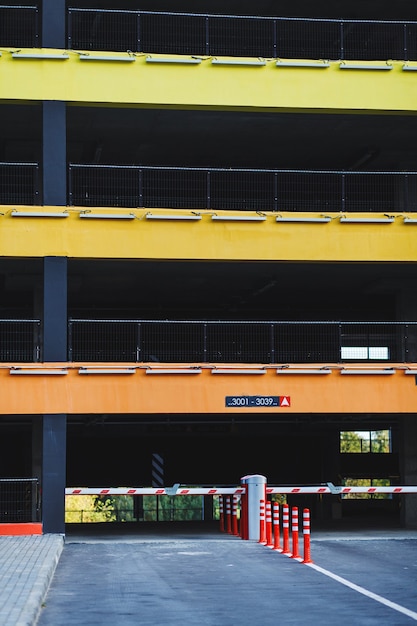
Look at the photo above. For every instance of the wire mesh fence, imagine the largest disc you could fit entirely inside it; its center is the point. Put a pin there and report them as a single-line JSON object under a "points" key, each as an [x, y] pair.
{"points": [[19, 26], [165, 341], [19, 500], [19, 183], [241, 189], [20, 341], [232, 35]]}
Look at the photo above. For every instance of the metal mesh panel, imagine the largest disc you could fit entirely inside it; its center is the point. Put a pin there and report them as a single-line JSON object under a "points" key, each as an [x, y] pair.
{"points": [[104, 186], [372, 41], [173, 34], [242, 191], [372, 342], [19, 341], [238, 343], [19, 183], [303, 39], [174, 188], [19, 26], [375, 192], [241, 37], [309, 191], [173, 342], [300, 342], [18, 500], [103, 341], [103, 30]]}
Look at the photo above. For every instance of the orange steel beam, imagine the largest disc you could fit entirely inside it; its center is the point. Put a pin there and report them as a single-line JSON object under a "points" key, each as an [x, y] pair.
{"points": [[202, 392]]}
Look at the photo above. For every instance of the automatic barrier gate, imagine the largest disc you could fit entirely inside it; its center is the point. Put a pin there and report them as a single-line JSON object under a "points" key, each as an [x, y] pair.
{"points": [[249, 497]]}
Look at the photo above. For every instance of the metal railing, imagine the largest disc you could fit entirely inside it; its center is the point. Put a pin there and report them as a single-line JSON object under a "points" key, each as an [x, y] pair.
{"points": [[165, 341], [241, 189], [19, 183], [19, 500], [19, 26], [20, 341], [233, 35]]}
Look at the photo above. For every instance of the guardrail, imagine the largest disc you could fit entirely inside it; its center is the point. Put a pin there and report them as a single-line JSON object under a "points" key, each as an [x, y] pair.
{"points": [[19, 500], [19, 182], [241, 189], [19, 26], [190, 341], [20, 340], [234, 35]]}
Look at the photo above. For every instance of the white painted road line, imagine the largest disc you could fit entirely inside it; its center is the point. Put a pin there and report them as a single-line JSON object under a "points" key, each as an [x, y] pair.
{"points": [[365, 592]]}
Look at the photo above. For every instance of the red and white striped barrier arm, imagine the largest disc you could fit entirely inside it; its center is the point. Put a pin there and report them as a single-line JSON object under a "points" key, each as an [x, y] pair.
{"points": [[148, 491], [341, 490]]}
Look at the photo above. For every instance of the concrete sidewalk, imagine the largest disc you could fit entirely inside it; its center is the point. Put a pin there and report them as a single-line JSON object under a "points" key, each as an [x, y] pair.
{"points": [[27, 565]]}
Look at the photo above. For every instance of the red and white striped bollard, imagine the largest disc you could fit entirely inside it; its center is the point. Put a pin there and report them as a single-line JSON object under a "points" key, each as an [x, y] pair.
{"points": [[294, 528], [277, 545], [262, 538], [286, 529], [306, 534], [268, 526]]}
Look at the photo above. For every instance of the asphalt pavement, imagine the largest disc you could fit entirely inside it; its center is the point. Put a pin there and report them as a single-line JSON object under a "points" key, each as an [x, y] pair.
{"points": [[186, 575]]}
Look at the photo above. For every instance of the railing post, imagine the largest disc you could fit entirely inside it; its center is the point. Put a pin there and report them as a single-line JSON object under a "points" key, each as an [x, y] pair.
{"points": [[69, 339], [205, 343], [141, 188], [208, 190], [275, 191], [207, 33], [138, 33], [138, 341], [342, 43]]}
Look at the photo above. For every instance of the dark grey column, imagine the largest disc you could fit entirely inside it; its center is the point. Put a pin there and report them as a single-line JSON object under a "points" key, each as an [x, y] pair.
{"points": [[53, 24], [53, 480], [54, 309], [54, 157], [408, 460]]}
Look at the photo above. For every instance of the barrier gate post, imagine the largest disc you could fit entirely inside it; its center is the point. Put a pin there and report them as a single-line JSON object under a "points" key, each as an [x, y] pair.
{"points": [[255, 492]]}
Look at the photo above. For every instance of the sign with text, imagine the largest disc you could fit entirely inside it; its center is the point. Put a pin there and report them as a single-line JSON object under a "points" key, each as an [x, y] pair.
{"points": [[257, 401]]}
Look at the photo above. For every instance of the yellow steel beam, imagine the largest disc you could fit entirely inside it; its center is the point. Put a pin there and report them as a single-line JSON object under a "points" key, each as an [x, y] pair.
{"points": [[202, 82], [63, 231]]}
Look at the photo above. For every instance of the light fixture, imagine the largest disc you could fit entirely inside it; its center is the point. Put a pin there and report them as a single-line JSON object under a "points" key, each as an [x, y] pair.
{"points": [[172, 216], [16, 213], [319, 220], [108, 216], [364, 66], [409, 68], [39, 55], [411, 371], [410, 220], [302, 63], [37, 372], [366, 220], [237, 371], [288, 370], [174, 370], [253, 62], [368, 372], [184, 60], [238, 218], [107, 370], [107, 57]]}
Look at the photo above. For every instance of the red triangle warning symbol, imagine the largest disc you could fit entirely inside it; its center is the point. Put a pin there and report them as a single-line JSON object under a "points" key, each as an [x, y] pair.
{"points": [[285, 401]]}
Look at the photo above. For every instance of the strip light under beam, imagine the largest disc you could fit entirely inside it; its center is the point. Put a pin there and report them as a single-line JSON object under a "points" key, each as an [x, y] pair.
{"points": [[368, 372], [174, 371], [287, 370]]}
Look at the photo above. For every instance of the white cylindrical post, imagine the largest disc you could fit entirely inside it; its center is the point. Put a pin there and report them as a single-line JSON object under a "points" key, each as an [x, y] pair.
{"points": [[255, 485]]}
